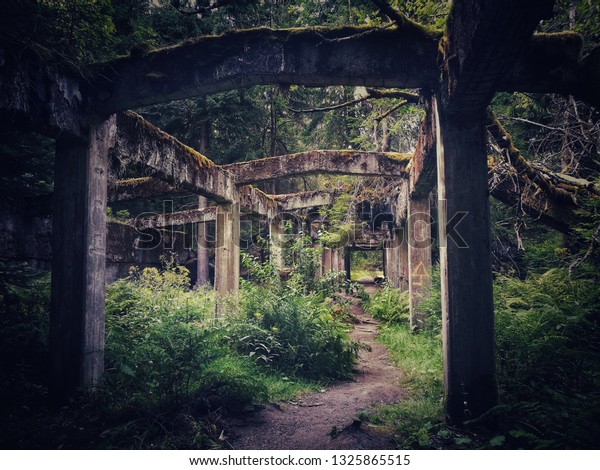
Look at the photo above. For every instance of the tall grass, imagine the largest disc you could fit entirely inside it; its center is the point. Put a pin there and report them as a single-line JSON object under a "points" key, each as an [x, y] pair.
{"points": [[548, 368]]}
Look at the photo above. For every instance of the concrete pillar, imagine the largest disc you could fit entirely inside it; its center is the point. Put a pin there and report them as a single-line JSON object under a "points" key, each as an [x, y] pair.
{"points": [[79, 261], [465, 267], [341, 260], [202, 273], [347, 262], [392, 258], [276, 238], [419, 256], [334, 259], [319, 270], [326, 260], [227, 249], [403, 277]]}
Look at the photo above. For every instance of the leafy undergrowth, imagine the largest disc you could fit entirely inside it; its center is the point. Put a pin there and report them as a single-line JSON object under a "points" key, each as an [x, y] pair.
{"points": [[548, 368], [174, 367]]}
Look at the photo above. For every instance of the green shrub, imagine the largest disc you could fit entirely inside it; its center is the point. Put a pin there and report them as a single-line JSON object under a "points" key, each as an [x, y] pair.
{"points": [[296, 334], [159, 337], [24, 323], [548, 350], [389, 304]]}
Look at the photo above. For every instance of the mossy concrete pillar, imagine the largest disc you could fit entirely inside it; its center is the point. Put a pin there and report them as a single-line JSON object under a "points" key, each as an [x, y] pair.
{"points": [[403, 272], [79, 261], [334, 259], [202, 271], [276, 242], [326, 260], [465, 267], [342, 261], [419, 256], [227, 249], [319, 270]]}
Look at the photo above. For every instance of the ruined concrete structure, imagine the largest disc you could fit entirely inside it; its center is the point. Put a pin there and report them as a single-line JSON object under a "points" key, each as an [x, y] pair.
{"points": [[487, 46]]}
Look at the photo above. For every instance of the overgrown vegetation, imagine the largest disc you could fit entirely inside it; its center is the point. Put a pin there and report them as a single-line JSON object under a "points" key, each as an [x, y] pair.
{"points": [[548, 367], [173, 367]]}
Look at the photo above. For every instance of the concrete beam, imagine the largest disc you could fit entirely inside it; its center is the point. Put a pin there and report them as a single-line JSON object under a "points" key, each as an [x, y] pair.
{"points": [[139, 188], [41, 97], [392, 57], [190, 216], [339, 162], [143, 149], [305, 200], [253, 200]]}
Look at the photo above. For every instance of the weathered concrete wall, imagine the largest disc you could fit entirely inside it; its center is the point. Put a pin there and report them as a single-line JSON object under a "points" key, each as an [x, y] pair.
{"points": [[26, 236]]}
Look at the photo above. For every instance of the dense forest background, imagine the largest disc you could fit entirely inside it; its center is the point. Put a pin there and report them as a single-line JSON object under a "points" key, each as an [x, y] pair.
{"points": [[547, 290]]}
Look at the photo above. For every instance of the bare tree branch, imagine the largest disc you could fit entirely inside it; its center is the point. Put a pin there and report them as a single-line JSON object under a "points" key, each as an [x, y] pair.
{"points": [[539, 124], [372, 93], [332, 107], [385, 114], [514, 157]]}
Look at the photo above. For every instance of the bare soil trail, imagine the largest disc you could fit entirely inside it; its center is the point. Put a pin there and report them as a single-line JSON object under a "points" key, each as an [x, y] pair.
{"points": [[328, 419]]}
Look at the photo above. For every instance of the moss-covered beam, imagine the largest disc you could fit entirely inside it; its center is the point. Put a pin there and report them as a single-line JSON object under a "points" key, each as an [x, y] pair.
{"points": [[383, 57], [255, 202], [305, 200], [139, 188], [404, 57], [191, 216], [341, 162], [144, 150]]}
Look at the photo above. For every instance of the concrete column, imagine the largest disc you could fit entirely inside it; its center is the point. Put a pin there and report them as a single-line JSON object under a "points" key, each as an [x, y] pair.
{"points": [[341, 260], [386, 257], [419, 255], [326, 260], [227, 249], [334, 259], [79, 261], [465, 268], [276, 238], [391, 260], [347, 262], [319, 270], [202, 274], [403, 277]]}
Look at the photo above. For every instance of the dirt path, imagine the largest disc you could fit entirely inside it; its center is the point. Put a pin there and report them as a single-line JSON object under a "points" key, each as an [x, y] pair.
{"points": [[327, 420]]}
